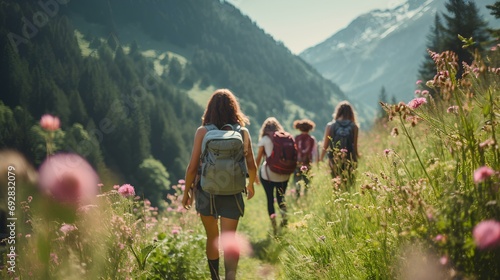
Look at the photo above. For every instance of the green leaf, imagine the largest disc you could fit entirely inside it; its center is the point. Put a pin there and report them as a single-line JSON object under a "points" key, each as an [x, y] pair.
{"points": [[486, 109]]}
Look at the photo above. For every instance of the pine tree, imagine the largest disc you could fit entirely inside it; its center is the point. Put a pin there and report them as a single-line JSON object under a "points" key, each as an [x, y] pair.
{"points": [[495, 11], [435, 41], [382, 98], [463, 19]]}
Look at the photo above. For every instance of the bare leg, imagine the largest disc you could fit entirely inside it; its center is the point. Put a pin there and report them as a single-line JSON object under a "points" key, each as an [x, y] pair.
{"points": [[228, 228], [212, 246]]}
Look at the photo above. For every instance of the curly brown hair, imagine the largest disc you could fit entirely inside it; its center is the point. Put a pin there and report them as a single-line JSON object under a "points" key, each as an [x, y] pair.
{"points": [[304, 125], [223, 108], [271, 124]]}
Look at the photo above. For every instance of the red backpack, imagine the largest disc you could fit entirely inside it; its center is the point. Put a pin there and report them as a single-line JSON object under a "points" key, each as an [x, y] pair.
{"points": [[283, 159], [305, 146]]}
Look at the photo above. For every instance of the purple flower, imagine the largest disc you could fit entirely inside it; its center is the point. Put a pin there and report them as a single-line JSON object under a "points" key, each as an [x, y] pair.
{"points": [[416, 102], [487, 234]]}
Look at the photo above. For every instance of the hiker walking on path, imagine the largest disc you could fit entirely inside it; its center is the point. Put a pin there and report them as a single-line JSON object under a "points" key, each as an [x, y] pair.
{"points": [[307, 153], [219, 192], [274, 144], [341, 142]]}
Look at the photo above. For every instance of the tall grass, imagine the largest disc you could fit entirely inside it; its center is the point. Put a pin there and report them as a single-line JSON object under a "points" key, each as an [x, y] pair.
{"points": [[418, 194], [426, 178]]}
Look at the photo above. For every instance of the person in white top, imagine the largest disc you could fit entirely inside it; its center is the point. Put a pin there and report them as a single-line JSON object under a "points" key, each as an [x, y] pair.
{"points": [[274, 184]]}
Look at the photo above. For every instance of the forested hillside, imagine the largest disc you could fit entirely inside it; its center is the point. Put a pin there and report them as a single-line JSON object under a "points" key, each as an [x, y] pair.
{"points": [[88, 63]]}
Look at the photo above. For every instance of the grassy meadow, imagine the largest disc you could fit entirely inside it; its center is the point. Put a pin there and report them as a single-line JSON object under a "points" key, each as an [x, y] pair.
{"points": [[424, 205]]}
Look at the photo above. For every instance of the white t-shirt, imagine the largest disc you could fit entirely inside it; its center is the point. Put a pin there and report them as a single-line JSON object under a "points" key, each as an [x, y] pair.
{"points": [[267, 143]]}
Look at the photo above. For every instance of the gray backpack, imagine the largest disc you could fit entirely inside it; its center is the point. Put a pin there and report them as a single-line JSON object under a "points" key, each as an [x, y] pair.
{"points": [[223, 164]]}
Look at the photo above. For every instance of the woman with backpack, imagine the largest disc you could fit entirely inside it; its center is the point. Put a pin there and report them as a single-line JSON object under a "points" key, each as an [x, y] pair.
{"points": [[307, 153], [341, 142], [274, 181], [222, 109]]}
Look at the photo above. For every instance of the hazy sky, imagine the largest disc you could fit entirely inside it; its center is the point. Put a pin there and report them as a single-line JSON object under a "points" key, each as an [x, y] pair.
{"points": [[300, 24]]}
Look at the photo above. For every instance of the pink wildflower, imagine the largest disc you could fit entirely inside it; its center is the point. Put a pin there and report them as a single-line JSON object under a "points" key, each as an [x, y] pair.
{"points": [[273, 216], [443, 260], [417, 92], [425, 92], [66, 229], [487, 234], [387, 151], [235, 245], [181, 182], [49, 122], [418, 82], [116, 187], [482, 173], [126, 190], [344, 151], [54, 259], [68, 178], [440, 238], [175, 231], [415, 103], [303, 168]]}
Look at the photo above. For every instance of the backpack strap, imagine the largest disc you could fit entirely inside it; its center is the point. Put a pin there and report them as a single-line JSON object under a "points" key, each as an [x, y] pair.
{"points": [[210, 127]]}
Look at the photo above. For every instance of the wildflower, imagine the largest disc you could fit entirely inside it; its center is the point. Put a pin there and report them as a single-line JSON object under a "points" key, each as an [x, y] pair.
{"points": [[440, 238], [234, 245], [443, 260], [303, 168], [30, 198], [66, 229], [273, 216], [175, 231], [344, 151], [425, 92], [487, 234], [126, 190], [452, 110], [418, 82], [54, 259], [417, 92], [416, 102], [85, 209], [482, 173], [181, 182], [387, 151], [49, 122], [69, 179], [487, 143], [116, 187], [394, 132]]}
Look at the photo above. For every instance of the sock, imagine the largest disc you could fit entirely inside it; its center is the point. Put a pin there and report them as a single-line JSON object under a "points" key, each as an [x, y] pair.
{"points": [[213, 265]]}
